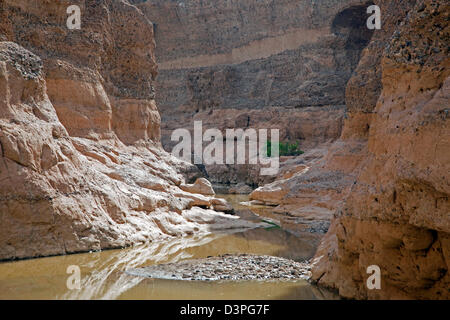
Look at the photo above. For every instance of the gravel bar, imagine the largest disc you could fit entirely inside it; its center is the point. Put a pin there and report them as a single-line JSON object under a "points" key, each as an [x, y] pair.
{"points": [[243, 267]]}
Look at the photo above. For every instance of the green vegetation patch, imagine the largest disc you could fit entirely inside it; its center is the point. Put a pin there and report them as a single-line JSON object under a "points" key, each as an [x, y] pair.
{"points": [[285, 149]]}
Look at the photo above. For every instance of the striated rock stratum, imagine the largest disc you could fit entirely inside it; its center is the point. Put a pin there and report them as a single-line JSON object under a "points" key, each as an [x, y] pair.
{"points": [[81, 164]]}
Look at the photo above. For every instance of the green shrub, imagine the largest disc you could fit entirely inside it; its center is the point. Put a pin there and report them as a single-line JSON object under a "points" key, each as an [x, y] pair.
{"points": [[285, 149]]}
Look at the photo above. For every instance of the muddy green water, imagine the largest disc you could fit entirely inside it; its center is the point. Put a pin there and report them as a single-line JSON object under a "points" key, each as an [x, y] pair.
{"points": [[103, 277]]}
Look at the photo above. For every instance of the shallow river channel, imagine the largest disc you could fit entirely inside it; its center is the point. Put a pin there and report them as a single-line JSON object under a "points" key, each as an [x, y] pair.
{"points": [[103, 276]]}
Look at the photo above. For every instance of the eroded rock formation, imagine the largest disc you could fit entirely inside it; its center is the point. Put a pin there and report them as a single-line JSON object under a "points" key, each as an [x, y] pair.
{"points": [[81, 164]]}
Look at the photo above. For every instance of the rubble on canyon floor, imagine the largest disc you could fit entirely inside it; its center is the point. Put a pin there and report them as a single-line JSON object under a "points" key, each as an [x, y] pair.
{"points": [[81, 164]]}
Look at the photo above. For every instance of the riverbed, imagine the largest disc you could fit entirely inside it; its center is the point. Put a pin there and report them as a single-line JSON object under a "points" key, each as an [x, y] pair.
{"points": [[103, 273]]}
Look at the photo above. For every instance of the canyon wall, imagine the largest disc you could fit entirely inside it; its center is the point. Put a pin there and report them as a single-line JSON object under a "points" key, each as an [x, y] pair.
{"points": [[385, 181], [256, 64], [370, 110], [81, 163], [315, 185], [397, 213]]}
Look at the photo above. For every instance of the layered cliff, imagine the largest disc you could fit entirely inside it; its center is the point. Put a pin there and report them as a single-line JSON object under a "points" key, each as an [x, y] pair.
{"points": [[315, 185], [256, 64], [81, 164]]}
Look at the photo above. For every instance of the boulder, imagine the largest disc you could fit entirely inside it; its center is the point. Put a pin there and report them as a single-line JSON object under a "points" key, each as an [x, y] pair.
{"points": [[201, 186]]}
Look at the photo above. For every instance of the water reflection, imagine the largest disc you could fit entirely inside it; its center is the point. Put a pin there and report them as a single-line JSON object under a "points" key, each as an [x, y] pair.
{"points": [[103, 277], [107, 281]]}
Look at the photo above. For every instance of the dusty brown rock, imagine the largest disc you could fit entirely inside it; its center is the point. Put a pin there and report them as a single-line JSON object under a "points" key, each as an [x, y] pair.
{"points": [[281, 54], [397, 213], [240, 188], [311, 127], [308, 190], [201, 186], [270, 194]]}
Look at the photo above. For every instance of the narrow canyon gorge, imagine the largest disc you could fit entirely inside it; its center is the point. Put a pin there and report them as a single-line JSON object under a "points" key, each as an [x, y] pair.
{"points": [[87, 116]]}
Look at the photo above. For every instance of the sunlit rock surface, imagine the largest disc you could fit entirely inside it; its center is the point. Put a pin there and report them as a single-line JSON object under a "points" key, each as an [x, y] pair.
{"points": [[81, 163]]}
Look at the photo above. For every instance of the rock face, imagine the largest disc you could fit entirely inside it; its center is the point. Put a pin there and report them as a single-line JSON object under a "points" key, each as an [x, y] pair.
{"points": [[81, 164], [256, 64], [223, 268], [303, 58], [386, 180], [308, 190], [396, 214]]}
